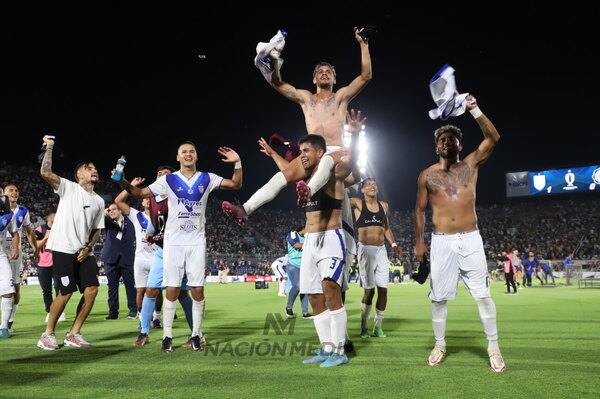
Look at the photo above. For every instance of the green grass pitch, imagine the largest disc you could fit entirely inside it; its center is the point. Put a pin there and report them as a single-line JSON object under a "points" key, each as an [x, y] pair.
{"points": [[549, 338]]}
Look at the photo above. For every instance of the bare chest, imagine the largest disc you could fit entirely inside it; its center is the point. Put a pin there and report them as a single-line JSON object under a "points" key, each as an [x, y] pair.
{"points": [[450, 182]]}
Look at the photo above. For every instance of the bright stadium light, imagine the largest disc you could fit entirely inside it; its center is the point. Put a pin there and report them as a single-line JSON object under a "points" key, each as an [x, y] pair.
{"points": [[363, 147]]}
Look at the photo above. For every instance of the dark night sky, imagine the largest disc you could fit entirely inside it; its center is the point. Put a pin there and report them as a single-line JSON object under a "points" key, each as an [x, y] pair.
{"points": [[108, 79]]}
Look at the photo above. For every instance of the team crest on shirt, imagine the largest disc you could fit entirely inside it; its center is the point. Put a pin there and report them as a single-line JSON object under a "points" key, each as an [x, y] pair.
{"points": [[20, 219]]}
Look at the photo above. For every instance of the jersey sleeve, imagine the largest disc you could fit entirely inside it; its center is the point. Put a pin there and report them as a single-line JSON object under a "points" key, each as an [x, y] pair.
{"points": [[64, 187], [293, 238], [133, 216], [26, 218], [99, 219], [159, 187], [215, 182]]}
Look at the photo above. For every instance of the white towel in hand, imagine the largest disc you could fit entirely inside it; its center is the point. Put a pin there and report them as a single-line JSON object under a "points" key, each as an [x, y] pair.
{"points": [[263, 50], [443, 91]]}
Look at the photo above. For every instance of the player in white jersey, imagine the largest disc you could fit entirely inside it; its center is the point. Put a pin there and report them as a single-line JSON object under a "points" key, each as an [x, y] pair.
{"points": [[7, 286], [76, 229], [184, 243], [278, 267], [23, 223], [144, 253]]}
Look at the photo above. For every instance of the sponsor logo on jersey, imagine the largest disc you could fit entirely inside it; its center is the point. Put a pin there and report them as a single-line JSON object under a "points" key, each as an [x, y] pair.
{"points": [[189, 204], [374, 220], [188, 226]]}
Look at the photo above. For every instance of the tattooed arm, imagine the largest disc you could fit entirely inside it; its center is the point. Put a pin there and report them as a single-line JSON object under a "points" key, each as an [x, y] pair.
{"points": [[490, 138], [46, 169], [287, 90]]}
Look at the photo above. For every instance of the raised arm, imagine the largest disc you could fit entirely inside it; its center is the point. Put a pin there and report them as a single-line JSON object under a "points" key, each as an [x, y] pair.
{"points": [[46, 170], [271, 153], [285, 89], [133, 190], [420, 206], [120, 200], [230, 156], [349, 92], [490, 136], [346, 164]]}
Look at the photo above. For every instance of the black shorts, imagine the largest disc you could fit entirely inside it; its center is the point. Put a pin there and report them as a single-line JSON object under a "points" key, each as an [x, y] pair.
{"points": [[69, 274]]}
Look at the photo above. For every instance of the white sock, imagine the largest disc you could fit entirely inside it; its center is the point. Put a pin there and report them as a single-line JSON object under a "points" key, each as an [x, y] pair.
{"points": [[322, 175], [439, 315], [13, 312], [281, 286], [266, 193], [323, 326], [6, 306], [168, 316], [339, 320], [378, 317], [197, 316], [155, 315], [487, 315], [365, 312]]}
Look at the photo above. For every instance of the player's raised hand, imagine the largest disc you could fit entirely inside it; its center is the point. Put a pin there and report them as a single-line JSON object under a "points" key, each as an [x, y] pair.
{"points": [[48, 141], [471, 102], [137, 181], [229, 154], [354, 121], [266, 148]]}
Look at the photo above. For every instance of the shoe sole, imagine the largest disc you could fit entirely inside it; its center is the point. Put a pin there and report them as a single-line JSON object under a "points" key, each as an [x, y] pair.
{"points": [[68, 343], [228, 209], [166, 350]]}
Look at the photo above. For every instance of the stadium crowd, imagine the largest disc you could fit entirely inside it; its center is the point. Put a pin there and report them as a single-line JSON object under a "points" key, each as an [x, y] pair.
{"points": [[552, 228]]}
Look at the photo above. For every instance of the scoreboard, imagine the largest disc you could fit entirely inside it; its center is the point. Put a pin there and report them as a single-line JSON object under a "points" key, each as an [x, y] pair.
{"points": [[553, 181]]}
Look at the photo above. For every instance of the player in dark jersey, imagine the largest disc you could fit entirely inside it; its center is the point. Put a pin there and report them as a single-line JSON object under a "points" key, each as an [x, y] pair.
{"points": [[373, 228]]}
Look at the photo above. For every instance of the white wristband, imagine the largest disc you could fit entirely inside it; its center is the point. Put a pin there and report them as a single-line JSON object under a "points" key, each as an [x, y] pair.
{"points": [[476, 112], [237, 165], [394, 245]]}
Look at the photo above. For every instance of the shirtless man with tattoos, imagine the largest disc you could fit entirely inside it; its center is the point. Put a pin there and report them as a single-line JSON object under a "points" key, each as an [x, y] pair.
{"points": [[324, 115], [449, 187]]}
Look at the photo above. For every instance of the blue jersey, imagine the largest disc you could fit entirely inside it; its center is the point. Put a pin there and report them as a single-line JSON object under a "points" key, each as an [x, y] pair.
{"points": [[294, 255]]}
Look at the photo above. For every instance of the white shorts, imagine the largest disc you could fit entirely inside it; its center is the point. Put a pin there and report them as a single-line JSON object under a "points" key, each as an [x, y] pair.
{"points": [[141, 270], [16, 266], [7, 283], [332, 148], [279, 272], [349, 260], [180, 260], [454, 253], [323, 256], [373, 266]]}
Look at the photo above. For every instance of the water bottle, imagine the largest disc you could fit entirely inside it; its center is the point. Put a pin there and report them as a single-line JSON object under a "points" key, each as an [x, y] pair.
{"points": [[118, 175]]}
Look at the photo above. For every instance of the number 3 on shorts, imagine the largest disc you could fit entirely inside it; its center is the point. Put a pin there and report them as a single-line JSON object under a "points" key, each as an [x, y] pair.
{"points": [[334, 263]]}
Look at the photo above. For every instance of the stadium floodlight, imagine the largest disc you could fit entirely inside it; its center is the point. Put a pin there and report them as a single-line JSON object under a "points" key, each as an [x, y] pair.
{"points": [[363, 147]]}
